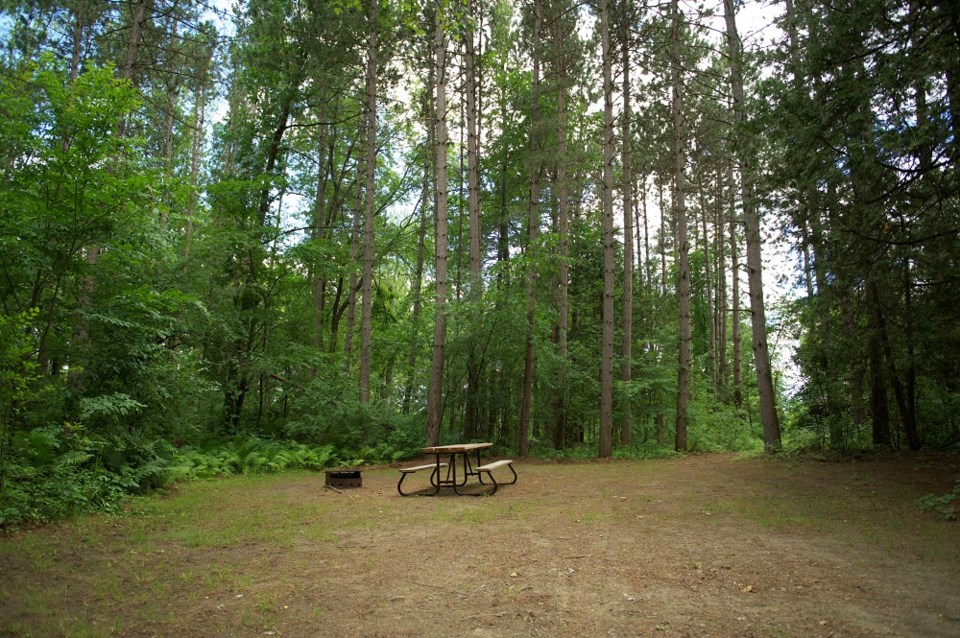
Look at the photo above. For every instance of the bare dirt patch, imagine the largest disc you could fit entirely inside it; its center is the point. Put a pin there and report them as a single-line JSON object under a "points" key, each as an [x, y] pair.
{"points": [[699, 546]]}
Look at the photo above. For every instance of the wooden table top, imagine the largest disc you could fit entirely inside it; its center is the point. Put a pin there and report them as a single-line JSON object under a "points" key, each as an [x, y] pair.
{"points": [[460, 448]]}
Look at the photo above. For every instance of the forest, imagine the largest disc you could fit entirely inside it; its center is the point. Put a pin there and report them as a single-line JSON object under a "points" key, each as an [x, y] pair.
{"points": [[310, 233]]}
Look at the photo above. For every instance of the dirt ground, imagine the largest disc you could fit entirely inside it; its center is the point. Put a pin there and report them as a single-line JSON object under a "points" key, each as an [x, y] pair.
{"points": [[711, 545]]}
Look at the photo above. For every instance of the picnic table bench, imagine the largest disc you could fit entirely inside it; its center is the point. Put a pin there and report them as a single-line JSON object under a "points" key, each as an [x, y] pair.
{"points": [[404, 471], [488, 469], [468, 452]]}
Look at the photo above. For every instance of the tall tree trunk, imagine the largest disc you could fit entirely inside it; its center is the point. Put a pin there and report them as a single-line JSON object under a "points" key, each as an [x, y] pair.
{"points": [[471, 421], [199, 115], [751, 220], [908, 416], [640, 220], [319, 206], [879, 407], [473, 155], [663, 239], [503, 220], [366, 292], [336, 313], [133, 46], [606, 198], [173, 84], [421, 243], [737, 363], [353, 285], [274, 148], [680, 218], [720, 316], [626, 350], [708, 279], [647, 262], [533, 228], [435, 398], [460, 199], [417, 291], [76, 57], [563, 228]]}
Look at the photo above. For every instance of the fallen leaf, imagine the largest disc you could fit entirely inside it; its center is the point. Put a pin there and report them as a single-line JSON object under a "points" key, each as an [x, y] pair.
{"points": [[747, 589]]}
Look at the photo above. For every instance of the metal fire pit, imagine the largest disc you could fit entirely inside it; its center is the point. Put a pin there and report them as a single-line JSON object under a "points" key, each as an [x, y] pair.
{"points": [[344, 478]]}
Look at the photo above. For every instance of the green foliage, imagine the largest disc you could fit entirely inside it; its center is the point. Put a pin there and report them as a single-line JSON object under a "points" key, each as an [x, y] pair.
{"points": [[60, 471], [109, 406], [947, 506], [717, 427], [647, 450], [370, 433], [247, 455], [63, 471]]}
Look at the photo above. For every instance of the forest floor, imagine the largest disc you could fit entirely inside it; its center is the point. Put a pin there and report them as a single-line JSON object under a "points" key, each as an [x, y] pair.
{"points": [[711, 545]]}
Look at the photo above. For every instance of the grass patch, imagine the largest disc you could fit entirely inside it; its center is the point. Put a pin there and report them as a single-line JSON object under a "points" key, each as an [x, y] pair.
{"points": [[248, 554]]}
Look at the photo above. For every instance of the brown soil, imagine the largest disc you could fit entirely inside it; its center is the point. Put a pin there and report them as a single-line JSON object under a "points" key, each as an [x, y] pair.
{"points": [[699, 546]]}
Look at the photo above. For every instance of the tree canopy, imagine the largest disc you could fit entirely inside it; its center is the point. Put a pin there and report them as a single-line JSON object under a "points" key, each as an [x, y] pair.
{"points": [[362, 225]]}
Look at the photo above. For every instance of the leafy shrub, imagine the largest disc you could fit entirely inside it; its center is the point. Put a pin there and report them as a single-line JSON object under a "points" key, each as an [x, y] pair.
{"points": [[370, 433], [59, 472], [946, 505]]}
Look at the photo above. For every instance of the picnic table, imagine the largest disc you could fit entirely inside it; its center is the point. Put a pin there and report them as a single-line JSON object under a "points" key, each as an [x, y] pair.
{"points": [[469, 460]]}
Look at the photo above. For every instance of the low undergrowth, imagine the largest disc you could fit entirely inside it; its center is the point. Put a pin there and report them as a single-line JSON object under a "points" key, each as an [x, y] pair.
{"points": [[61, 472], [947, 506]]}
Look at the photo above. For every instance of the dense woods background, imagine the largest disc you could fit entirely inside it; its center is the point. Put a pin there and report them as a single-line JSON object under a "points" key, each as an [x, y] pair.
{"points": [[314, 232]]}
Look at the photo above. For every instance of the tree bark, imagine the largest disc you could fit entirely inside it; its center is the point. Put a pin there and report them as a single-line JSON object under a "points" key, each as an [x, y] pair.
{"points": [[751, 220], [366, 291], [533, 228], [352, 284], [606, 198], [683, 248], [626, 350], [737, 363], [663, 239], [173, 85], [473, 155], [199, 115], [77, 34], [720, 308], [435, 398], [563, 228], [708, 279], [879, 406], [319, 205], [475, 292], [421, 243], [905, 406], [133, 47]]}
